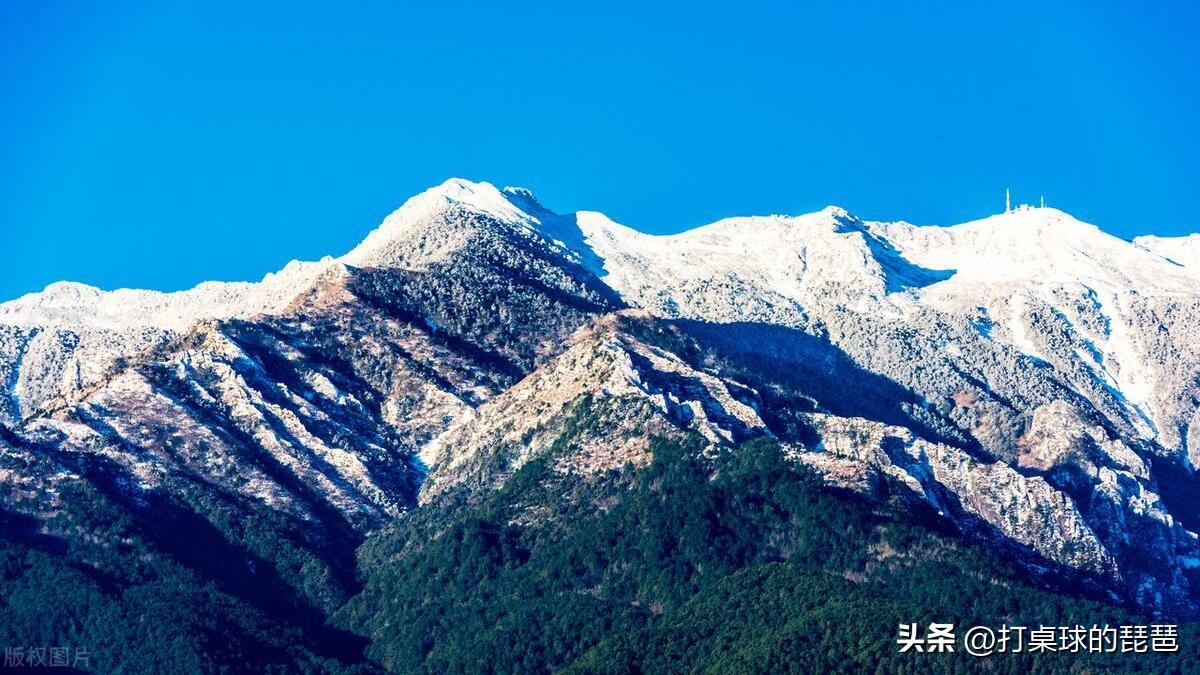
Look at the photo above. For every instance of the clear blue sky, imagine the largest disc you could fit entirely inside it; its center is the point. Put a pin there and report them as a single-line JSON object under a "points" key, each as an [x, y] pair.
{"points": [[157, 145]]}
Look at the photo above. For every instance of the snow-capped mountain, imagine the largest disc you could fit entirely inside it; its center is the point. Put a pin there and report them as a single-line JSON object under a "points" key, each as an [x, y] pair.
{"points": [[1031, 378], [1183, 251]]}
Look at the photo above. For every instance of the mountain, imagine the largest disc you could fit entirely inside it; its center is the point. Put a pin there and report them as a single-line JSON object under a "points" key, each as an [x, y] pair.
{"points": [[1036, 348], [1183, 251], [1024, 385]]}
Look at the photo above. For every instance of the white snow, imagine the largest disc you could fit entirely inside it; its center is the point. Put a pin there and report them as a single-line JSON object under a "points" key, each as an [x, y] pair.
{"points": [[782, 269], [723, 270], [1184, 251], [1037, 244], [424, 229], [68, 304]]}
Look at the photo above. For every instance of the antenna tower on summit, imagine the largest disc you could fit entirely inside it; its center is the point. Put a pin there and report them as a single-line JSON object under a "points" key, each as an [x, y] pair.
{"points": [[1007, 202]]}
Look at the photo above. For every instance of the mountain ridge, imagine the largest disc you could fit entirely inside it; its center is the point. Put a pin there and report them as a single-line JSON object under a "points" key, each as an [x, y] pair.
{"points": [[1030, 378], [482, 196]]}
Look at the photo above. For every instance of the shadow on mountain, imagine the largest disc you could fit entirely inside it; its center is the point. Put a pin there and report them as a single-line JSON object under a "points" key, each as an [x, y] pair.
{"points": [[900, 274], [795, 372], [193, 541], [24, 530], [461, 310], [1179, 490], [959, 522], [560, 227]]}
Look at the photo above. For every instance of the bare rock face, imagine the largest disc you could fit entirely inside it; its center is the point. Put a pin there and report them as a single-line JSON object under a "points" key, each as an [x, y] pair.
{"points": [[1087, 527], [635, 390], [1027, 376], [1026, 509]]}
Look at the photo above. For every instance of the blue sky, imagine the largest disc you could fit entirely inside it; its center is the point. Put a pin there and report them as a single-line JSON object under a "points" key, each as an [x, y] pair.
{"points": [[158, 145]]}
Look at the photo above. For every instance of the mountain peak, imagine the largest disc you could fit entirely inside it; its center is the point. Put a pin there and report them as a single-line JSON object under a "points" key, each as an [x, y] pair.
{"points": [[1041, 216], [524, 200], [435, 223], [836, 212], [481, 196], [520, 192], [1037, 244], [68, 291], [1183, 251]]}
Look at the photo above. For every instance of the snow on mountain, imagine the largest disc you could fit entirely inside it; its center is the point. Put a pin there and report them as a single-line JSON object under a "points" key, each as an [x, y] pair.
{"points": [[1034, 280], [1114, 319], [69, 304], [770, 267], [1184, 251], [430, 226], [70, 336], [1026, 371], [60, 342], [636, 389], [419, 232], [1037, 244], [1050, 281], [445, 220], [310, 393]]}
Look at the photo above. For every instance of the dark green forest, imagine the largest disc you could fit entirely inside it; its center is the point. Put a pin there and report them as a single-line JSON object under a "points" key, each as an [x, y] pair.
{"points": [[743, 563], [739, 562]]}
